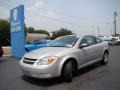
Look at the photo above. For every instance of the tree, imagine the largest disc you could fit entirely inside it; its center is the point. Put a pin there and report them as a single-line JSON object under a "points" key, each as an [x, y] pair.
{"points": [[26, 29], [42, 32], [30, 30], [61, 32], [4, 32]]}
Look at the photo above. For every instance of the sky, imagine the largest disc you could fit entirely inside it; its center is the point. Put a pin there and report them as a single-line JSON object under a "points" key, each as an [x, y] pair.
{"points": [[80, 16]]}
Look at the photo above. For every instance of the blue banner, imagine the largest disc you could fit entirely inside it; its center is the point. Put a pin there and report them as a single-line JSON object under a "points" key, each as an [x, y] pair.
{"points": [[17, 31]]}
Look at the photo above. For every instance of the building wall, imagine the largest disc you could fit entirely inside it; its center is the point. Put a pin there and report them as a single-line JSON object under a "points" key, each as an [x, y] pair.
{"points": [[31, 37]]}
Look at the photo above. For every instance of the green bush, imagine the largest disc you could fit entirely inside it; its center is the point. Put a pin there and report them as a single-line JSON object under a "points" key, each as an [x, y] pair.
{"points": [[61, 32]]}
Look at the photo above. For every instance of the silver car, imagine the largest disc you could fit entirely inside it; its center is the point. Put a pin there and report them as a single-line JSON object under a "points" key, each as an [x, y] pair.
{"points": [[64, 57]]}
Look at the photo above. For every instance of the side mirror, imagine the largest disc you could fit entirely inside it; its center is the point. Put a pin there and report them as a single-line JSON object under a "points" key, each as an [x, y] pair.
{"points": [[83, 45]]}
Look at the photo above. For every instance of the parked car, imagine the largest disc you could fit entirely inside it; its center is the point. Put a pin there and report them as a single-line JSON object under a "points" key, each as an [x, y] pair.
{"points": [[106, 38], [36, 45], [64, 56], [116, 40], [1, 51]]}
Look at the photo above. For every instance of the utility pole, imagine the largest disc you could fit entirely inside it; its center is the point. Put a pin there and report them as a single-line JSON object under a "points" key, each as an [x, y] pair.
{"points": [[115, 14], [111, 31], [98, 31]]}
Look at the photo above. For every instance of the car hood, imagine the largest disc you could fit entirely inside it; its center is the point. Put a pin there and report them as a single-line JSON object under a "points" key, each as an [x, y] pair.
{"points": [[46, 51], [32, 45], [29, 45]]}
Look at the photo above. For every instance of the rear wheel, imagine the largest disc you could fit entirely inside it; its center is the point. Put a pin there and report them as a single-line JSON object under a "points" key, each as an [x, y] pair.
{"points": [[105, 58], [67, 71]]}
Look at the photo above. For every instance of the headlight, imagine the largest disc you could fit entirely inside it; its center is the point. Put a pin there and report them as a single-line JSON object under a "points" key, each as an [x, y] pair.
{"points": [[47, 60]]}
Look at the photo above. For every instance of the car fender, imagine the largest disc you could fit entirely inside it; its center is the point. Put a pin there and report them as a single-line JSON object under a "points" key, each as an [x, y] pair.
{"points": [[105, 48], [62, 62]]}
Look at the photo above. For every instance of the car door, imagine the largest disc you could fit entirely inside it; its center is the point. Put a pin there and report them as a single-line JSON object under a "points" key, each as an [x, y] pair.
{"points": [[99, 45], [90, 51]]}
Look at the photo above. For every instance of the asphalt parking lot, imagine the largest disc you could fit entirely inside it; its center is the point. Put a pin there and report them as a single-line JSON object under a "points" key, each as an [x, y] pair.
{"points": [[94, 77]]}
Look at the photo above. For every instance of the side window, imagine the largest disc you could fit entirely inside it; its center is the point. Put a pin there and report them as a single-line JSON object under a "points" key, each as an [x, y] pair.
{"points": [[84, 40], [89, 40], [98, 40]]}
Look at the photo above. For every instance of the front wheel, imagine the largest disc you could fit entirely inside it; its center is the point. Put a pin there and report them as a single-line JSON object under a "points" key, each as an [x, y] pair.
{"points": [[67, 72], [105, 58]]}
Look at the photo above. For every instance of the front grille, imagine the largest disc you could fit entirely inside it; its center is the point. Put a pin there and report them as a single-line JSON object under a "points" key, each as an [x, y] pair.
{"points": [[29, 60]]}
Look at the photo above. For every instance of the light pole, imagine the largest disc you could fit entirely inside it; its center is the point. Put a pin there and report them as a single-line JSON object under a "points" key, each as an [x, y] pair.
{"points": [[51, 35], [98, 31], [115, 14]]}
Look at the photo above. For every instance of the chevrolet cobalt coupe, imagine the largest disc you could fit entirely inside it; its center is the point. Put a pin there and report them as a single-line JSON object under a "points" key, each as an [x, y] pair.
{"points": [[64, 56]]}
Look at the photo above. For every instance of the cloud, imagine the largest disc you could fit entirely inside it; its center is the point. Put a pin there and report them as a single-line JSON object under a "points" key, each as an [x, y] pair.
{"points": [[4, 12], [38, 4], [34, 10], [36, 15], [51, 13]]}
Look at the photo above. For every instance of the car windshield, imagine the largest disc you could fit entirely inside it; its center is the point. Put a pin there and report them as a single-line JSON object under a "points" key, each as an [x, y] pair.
{"points": [[65, 41]]}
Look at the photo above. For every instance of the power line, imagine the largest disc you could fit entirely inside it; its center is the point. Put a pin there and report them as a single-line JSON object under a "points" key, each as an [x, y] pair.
{"points": [[66, 15], [50, 18], [59, 20], [61, 14], [62, 21]]}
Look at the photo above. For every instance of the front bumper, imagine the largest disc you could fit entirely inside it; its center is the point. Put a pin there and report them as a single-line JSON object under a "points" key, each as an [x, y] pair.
{"points": [[37, 71]]}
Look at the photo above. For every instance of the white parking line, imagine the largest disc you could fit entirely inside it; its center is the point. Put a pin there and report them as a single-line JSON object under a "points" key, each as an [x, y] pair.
{"points": [[7, 55]]}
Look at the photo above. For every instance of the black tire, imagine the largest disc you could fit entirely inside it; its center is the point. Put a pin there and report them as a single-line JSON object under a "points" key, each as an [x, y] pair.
{"points": [[1, 54], [74, 70], [113, 39], [119, 43], [67, 71], [105, 59]]}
